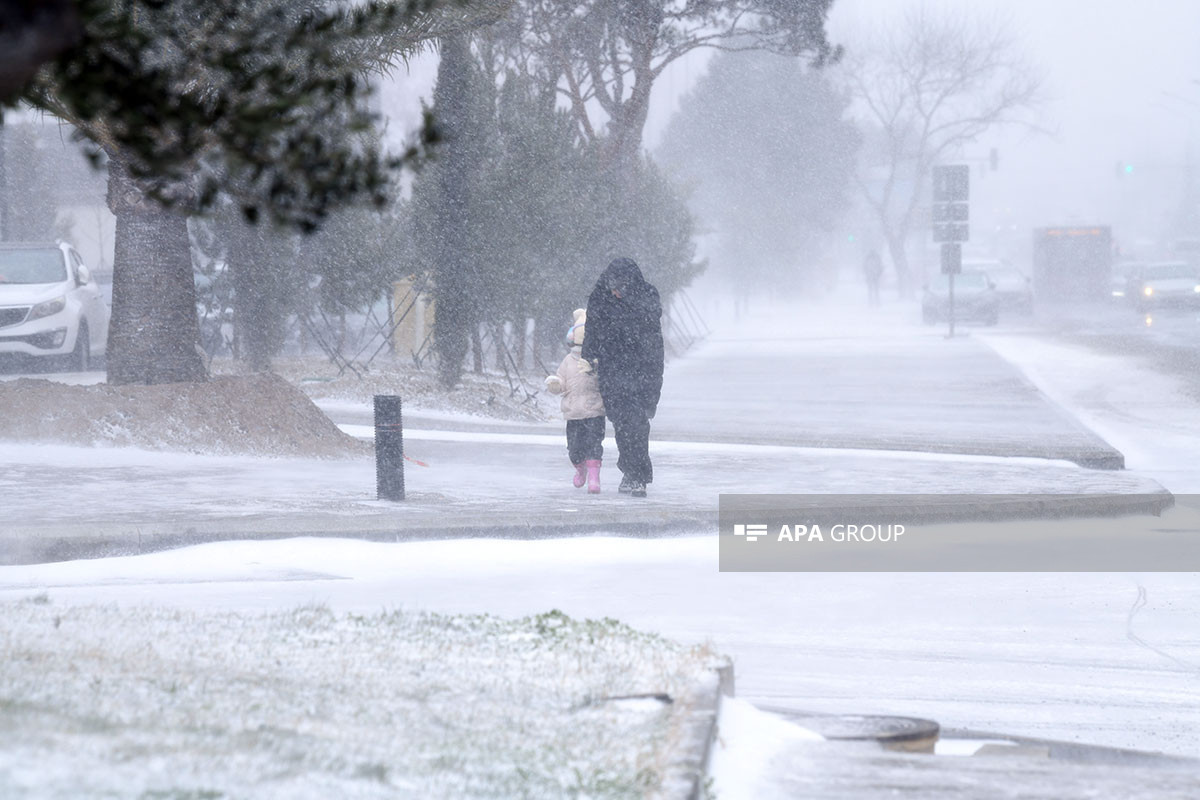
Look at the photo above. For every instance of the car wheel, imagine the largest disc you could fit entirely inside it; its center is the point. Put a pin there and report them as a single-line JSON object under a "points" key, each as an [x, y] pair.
{"points": [[80, 359]]}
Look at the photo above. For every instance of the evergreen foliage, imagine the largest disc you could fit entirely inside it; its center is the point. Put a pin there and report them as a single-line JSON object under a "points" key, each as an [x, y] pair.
{"points": [[765, 145]]}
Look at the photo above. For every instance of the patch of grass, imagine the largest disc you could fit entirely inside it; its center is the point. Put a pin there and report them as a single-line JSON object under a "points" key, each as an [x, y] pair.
{"points": [[309, 703]]}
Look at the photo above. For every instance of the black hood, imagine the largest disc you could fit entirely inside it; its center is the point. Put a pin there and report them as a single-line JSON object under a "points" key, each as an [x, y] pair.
{"points": [[621, 274]]}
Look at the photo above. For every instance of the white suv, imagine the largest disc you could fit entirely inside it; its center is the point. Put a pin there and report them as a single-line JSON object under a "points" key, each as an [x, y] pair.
{"points": [[50, 305]]}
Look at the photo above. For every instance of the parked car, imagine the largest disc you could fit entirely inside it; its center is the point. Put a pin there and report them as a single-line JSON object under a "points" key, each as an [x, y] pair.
{"points": [[1014, 290], [50, 305], [1170, 283], [975, 299]]}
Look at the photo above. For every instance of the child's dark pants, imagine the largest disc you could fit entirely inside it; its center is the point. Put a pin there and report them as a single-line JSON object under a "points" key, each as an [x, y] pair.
{"points": [[585, 439]]}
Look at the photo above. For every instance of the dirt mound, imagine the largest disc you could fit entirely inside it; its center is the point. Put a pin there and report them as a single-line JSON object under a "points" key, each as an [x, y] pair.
{"points": [[259, 414]]}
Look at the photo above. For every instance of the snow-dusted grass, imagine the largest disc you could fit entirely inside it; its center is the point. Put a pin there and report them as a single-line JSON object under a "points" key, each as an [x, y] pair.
{"points": [[487, 396], [101, 701]]}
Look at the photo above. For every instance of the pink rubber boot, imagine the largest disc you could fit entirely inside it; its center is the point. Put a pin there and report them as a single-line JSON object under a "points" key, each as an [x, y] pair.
{"points": [[580, 475], [593, 475]]}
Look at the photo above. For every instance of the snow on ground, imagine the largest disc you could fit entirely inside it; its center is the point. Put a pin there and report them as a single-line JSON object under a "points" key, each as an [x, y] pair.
{"points": [[1147, 414], [747, 740], [258, 414], [1101, 658], [138, 701], [487, 396], [519, 478], [1109, 659], [89, 378]]}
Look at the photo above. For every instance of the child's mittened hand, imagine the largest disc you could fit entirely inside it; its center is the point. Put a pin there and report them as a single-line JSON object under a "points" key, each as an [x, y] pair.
{"points": [[554, 384], [585, 365]]}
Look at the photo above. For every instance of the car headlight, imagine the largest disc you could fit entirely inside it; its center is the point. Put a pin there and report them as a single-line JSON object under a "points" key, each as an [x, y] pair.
{"points": [[1148, 291], [1196, 289], [48, 308]]}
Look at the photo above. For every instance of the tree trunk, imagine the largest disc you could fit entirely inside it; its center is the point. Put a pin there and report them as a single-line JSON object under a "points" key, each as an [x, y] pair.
{"points": [[899, 253], [4, 224], [498, 343], [452, 281], [252, 314], [477, 349], [155, 332], [257, 314], [521, 343], [628, 130]]}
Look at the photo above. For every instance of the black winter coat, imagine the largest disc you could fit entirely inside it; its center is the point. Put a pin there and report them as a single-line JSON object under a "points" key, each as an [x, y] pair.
{"points": [[624, 337]]}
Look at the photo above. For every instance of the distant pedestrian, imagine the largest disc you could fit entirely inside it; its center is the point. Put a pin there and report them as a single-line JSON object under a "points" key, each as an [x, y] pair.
{"points": [[582, 408], [625, 347], [873, 272]]}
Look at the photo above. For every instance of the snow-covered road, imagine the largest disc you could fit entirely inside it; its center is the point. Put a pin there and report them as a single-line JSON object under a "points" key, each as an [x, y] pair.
{"points": [[1150, 415]]}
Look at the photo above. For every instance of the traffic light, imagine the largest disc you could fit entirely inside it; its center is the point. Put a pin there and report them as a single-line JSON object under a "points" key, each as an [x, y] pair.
{"points": [[1124, 169]]}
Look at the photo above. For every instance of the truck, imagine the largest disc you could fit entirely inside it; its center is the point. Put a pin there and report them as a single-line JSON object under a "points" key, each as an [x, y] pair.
{"points": [[1072, 264]]}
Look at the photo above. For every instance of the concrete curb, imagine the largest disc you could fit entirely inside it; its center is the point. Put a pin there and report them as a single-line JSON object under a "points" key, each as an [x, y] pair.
{"points": [[686, 776], [41, 543], [933, 509], [1080, 753], [32, 544]]}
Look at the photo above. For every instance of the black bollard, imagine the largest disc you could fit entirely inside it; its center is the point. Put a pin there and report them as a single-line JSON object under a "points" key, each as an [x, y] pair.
{"points": [[389, 448]]}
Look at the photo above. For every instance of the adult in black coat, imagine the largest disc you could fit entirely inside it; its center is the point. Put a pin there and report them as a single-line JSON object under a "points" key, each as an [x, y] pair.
{"points": [[624, 344]]}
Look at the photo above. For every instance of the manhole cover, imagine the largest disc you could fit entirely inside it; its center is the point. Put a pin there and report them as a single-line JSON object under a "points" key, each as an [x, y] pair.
{"points": [[898, 733]]}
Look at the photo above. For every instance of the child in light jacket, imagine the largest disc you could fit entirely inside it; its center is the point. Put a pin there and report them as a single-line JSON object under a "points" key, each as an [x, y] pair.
{"points": [[581, 407]]}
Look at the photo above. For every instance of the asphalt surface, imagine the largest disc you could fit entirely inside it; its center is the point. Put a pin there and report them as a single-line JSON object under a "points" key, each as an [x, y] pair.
{"points": [[1169, 335]]}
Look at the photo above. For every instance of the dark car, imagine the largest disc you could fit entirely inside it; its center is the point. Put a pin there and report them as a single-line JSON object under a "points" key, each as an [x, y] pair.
{"points": [[975, 299], [1014, 290]]}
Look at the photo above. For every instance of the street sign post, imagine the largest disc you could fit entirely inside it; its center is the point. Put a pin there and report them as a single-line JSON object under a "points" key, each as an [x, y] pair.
{"points": [[951, 258], [951, 266], [951, 183], [951, 214], [951, 211]]}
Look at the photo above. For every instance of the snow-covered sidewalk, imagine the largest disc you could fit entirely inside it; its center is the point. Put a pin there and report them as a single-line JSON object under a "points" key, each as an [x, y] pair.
{"points": [[64, 502], [830, 404]]}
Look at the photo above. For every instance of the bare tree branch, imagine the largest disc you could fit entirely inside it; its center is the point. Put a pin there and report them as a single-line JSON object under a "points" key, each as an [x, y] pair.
{"points": [[931, 85]]}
